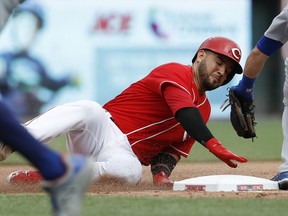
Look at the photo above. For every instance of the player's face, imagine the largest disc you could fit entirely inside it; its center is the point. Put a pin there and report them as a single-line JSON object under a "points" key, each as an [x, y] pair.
{"points": [[24, 30], [214, 69]]}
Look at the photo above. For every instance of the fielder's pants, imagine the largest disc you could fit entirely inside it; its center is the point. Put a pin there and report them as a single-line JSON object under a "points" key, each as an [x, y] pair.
{"points": [[284, 153]]}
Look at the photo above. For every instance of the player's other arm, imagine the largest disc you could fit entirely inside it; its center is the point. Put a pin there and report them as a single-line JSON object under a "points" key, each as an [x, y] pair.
{"points": [[264, 48], [255, 63], [162, 166], [272, 40]]}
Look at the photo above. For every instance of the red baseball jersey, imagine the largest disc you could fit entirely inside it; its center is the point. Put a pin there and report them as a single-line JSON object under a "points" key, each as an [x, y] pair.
{"points": [[143, 114]]}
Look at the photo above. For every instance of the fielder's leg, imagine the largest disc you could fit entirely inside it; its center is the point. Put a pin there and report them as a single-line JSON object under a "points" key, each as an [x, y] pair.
{"points": [[13, 134], [284, 153], [282, 176]]}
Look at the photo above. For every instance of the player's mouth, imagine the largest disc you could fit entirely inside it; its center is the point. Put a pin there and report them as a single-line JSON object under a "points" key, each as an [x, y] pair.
{"points": [[216, 79]]}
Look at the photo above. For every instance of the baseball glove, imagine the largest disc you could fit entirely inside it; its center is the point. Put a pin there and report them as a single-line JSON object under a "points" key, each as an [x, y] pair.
{"points": [[241, 115]]}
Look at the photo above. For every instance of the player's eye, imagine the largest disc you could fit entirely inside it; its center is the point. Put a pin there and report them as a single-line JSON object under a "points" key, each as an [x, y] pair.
{"points": [[219, 63]]}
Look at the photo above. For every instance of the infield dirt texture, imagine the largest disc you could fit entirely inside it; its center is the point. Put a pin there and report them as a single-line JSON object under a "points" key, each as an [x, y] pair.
{"points": [[146, 188]]}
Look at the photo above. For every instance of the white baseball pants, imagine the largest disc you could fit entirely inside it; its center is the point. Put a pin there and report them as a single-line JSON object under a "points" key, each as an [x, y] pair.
{"points": [[90, 131]]}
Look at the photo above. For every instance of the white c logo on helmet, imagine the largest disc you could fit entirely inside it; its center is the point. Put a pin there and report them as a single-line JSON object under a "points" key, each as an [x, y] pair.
{"points": [[236, 53]]}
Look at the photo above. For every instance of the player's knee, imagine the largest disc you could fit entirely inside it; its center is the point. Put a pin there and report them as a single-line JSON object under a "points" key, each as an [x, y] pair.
{"points": [[128, 171], [132, 173], [89, 109]]}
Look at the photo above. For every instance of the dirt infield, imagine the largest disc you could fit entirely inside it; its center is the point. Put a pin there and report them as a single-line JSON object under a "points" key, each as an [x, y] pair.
{"points": [[146, 187]]}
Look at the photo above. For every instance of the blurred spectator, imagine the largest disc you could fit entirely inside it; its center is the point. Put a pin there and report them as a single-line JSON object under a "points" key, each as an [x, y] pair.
{"points": [[25, 83], [6, 8]]}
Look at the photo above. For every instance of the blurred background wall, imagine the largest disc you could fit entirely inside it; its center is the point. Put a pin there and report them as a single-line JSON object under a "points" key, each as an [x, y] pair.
{"points": [[268, 87], [106, 46]]}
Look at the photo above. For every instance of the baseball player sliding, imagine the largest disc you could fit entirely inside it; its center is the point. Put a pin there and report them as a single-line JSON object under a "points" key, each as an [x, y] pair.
{"points": [[155, 121]]}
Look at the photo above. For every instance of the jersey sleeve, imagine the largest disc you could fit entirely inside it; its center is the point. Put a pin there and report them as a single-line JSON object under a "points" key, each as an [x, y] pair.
{"points": [[177, 83], [173, 73], [176, 97], [278, 30], [268, 46]]}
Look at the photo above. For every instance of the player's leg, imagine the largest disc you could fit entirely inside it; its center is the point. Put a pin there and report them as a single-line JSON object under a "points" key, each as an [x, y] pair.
{"points": [[96, 135], [66, 178], [282, 176], [46, 127], [108, 146], [128, 170], [80, 122], [57, 121], [84, 123], [91, 132], [118, 160], [284, 153], [60, 120], [17, 137]]}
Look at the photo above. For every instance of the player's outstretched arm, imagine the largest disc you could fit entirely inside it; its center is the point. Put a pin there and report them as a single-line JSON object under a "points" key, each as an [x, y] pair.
{"points": [[191, 120], [216, 148], [255, 63]]}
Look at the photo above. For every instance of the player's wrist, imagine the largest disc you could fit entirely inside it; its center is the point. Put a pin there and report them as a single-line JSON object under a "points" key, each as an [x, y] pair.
{"points": [[162, 179], [248, 82], [212, 143], [163, 162], [245, 87], [155, 169]]}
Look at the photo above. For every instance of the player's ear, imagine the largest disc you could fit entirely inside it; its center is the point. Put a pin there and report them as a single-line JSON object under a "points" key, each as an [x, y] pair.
{"points": [[200, 56]]}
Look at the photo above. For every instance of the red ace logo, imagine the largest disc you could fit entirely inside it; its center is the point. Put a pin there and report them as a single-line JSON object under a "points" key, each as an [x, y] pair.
{"points": [[112, 23]]}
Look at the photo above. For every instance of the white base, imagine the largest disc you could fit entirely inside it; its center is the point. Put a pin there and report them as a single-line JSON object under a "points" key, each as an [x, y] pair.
{"points": [[226, 183]]}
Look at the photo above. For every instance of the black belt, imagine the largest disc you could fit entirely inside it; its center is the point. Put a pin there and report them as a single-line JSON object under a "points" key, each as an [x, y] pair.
{"points": [[112, 119], [110, 116]]}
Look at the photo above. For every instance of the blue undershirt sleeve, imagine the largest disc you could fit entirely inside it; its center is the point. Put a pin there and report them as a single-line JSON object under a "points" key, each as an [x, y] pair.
{"points": [[268, 46]]}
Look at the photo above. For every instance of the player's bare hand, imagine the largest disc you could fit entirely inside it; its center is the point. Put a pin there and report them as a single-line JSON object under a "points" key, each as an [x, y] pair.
{"points": [[161, 179], [215, 147]]}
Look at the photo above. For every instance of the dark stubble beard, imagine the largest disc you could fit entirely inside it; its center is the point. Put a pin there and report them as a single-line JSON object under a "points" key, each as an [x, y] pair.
{"points": [[204, 77]]}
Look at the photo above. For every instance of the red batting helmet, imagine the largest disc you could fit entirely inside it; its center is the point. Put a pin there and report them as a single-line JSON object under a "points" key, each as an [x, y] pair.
{"points": [[226, 47]]}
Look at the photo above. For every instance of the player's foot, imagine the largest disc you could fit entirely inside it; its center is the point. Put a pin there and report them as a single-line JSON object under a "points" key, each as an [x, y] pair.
{"points": [[282, 179], [67, 192], [25, 176], [5, 151]]}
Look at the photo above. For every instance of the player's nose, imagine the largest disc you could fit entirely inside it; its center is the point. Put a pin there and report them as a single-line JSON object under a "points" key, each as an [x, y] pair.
{"points": [[223, 71]]}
